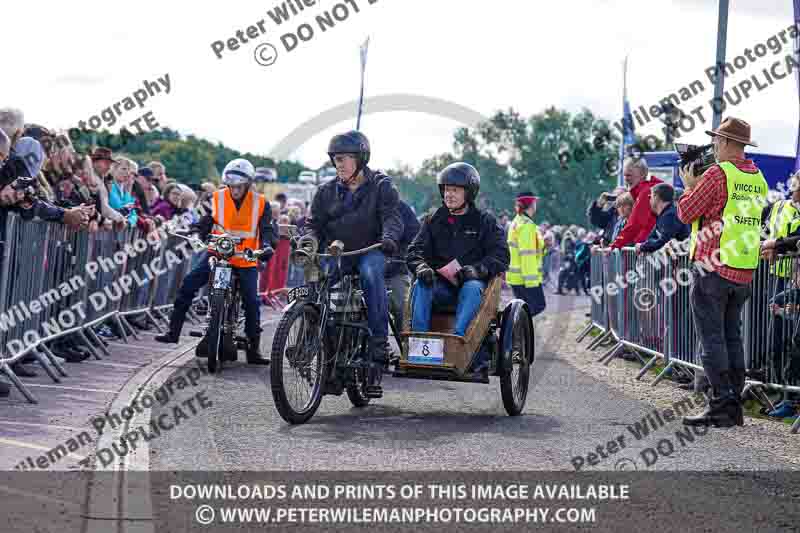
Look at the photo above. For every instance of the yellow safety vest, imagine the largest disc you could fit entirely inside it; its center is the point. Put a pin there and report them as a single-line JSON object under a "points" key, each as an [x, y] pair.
{"points": [[527, 252], [741, 218], [783, 220]]}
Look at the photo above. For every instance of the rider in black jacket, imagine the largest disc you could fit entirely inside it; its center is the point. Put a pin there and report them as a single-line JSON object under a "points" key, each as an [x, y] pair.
{"points": [[359, 208]]}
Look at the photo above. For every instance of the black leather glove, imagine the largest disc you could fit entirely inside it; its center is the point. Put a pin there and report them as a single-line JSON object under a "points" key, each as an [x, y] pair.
{"points": [[267, 255], [425, 274], [469, 273], [388, 247]]}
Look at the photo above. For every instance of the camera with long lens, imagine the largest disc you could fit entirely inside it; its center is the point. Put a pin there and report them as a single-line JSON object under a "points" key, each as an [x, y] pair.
{"points": [[702, 156], [126, 210], [28, 186]]}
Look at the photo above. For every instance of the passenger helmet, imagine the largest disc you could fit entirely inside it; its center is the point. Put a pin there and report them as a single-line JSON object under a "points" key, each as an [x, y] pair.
{"points": [[461, 175]]}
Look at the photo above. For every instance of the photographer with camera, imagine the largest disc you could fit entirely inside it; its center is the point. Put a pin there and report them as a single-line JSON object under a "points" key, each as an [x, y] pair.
{"points": [[602, 213], [725, 255]]}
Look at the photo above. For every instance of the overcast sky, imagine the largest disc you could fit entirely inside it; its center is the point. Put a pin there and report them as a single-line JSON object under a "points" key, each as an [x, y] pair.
{"points": [[70, 60]]}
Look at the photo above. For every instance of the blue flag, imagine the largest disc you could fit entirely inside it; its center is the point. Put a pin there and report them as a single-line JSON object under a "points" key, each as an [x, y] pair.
{"points": [[628, 138]]}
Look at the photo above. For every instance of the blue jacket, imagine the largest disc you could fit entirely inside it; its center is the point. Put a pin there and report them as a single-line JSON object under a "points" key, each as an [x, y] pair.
{"points": [[397, 264], [119, 198], [667, 227]]}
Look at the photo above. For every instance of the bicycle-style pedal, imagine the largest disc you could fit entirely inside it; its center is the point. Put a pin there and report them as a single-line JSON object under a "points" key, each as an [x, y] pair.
{"points": [[196, 334], [373, 391]]}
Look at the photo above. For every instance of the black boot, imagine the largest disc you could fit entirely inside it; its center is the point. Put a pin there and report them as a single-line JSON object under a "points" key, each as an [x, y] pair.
{"points": [[254, 356], [377, 358], [175, 327], [723, 411], [738, 379]]}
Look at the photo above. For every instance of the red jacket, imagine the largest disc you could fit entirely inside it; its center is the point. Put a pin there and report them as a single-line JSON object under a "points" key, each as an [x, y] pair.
{"points": [[642, 219]]}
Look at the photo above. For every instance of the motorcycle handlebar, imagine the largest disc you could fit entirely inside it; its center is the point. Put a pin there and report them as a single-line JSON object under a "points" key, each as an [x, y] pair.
{"points": [[354, 252]]}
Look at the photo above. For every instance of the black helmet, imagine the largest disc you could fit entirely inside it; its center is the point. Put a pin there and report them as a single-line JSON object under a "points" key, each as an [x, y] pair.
{"points": [[461, 175], [352, 142]]}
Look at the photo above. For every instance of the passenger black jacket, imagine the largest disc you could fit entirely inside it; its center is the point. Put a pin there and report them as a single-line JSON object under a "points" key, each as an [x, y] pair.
{"points": [[474, 238], [372, 217]]}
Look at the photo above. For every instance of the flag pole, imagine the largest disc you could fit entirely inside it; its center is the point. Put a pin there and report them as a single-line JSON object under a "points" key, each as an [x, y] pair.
{"points": [[719, 80], [797, 57], [363, 53], [620, 178]]}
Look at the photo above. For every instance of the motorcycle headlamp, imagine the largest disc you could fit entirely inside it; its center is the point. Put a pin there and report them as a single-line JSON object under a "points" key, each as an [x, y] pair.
{"points": [[225, 246]]}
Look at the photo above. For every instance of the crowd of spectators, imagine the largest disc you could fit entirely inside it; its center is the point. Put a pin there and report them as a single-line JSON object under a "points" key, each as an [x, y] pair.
{"points": [[43, 176]]}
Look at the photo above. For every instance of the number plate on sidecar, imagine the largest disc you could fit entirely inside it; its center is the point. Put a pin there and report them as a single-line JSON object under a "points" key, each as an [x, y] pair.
{"points": [[222, 278], [297, 293], [425, 351]]}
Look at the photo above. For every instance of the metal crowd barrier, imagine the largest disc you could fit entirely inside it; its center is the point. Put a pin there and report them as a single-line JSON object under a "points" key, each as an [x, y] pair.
{"points": [[56, 282], [648, 310]]}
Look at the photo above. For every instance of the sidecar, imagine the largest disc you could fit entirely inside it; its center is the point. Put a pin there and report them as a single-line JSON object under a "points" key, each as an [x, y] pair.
{"points": [[507, 336]]}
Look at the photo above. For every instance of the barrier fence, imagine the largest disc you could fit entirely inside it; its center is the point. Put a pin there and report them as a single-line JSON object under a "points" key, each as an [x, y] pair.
{"points": [[56, 283], [641, 302]]}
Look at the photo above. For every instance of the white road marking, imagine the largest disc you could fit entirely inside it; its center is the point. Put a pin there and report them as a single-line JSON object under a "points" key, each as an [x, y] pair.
{"points": [[141, 346], [22, 444], [116, 365], [34, 424], [82, 389]]}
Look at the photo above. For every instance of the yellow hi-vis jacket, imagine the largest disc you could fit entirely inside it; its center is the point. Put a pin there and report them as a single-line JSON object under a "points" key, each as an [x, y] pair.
{"points": [[527, 253], [783, 220]]}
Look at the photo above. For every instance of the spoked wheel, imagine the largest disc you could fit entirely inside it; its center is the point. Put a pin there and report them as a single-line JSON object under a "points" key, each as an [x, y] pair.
{"points": [[514, 379], [357, 391], [214, 335], [298, 365]]}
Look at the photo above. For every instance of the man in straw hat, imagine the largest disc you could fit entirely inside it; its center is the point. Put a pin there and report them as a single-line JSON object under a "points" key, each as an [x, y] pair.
{"points": [[724, 207], [527, 251]]}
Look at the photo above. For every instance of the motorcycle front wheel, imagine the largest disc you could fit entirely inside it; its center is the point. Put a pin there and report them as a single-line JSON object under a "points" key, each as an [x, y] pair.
{"points": [[214, 334], [298, 365]]}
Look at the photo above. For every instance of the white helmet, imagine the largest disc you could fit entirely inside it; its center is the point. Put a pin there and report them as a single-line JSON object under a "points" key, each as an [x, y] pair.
{"points": [[238, 172]]}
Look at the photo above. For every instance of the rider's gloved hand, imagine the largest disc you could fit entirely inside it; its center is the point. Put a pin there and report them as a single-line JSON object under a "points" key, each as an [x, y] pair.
{"points": [[307, 243], [388, 247], [267, 254], [469, 273], [425, 274]]}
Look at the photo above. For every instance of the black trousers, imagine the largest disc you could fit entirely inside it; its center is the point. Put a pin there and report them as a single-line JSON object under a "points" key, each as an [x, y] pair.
{"points": [[716, 309], [533, 296]]}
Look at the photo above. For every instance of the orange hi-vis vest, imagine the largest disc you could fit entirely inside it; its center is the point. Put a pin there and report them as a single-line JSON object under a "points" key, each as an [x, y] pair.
{"points": [[242, 222]]}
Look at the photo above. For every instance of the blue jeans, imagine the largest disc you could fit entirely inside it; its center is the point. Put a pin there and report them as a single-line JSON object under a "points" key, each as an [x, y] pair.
{"points": [[370, 268], [425, 297], [248, 288]]}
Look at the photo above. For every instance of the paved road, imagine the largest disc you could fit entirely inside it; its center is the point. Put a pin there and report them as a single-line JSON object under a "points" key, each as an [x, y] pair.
{"points": [[424, 427], [421, 425]]}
